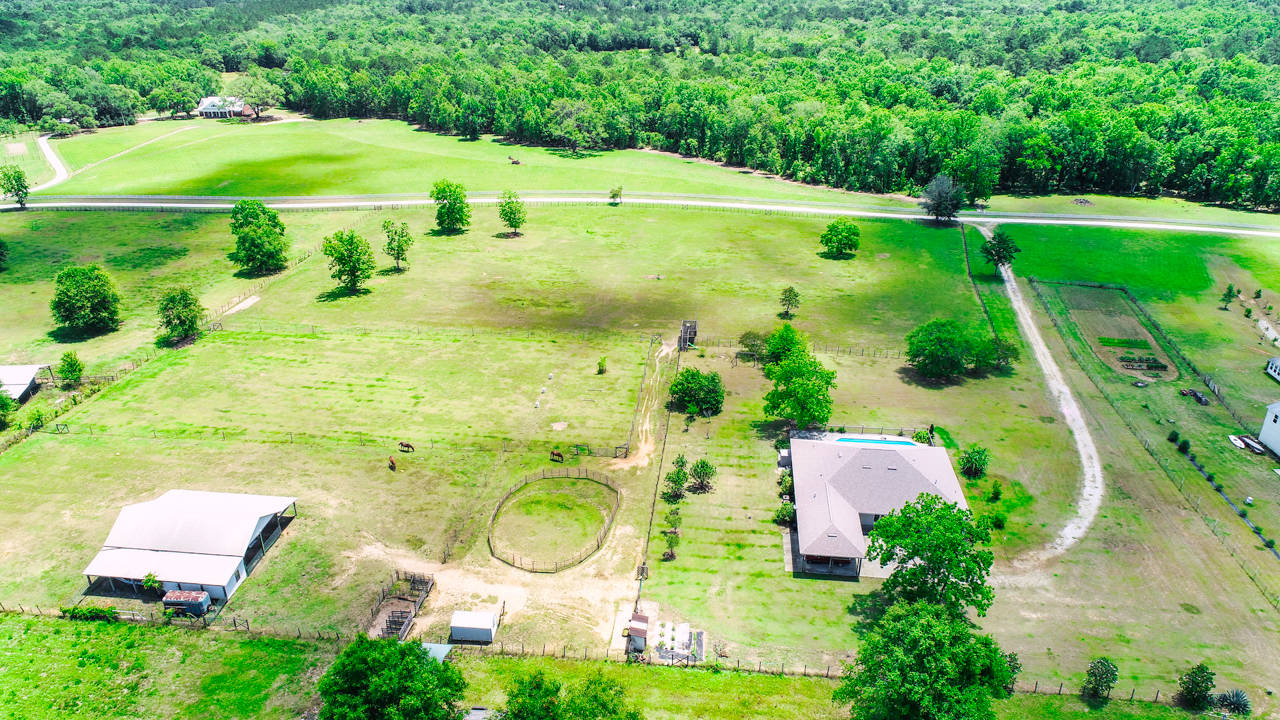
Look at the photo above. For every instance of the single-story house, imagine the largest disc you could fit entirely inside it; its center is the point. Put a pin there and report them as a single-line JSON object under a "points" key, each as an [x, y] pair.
{"points": [[19, 381], [190, 540], [221, 107], [473, 626], [1273, 368], [844, 484]]}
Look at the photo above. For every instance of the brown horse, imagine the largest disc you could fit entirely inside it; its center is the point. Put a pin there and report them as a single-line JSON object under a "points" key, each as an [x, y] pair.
{"points": [[557, 456], [391, 463], [406, 447]]}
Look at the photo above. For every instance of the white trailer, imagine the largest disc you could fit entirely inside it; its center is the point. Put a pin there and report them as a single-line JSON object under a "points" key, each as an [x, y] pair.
{"points": [[474, 627]]}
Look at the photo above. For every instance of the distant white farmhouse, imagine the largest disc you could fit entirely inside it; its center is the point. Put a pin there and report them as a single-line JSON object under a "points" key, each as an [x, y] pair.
{"points": [[1269, 435], [19, 381], [843, 485], [1273, 368], [220, 107], [190, 540]]}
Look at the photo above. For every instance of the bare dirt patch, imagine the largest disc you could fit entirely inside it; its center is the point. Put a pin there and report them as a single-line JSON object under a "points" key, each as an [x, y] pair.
{"points": [[244, 304], [14, 149], [645, 444]]}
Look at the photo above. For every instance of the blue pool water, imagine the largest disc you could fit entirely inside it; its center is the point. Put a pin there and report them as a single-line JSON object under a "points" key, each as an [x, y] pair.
{"points": [[875, 442]]}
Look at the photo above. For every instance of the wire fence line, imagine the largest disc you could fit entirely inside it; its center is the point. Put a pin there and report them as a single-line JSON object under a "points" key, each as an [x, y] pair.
{"points": [[426, 332], [868, 351], [213, 622], [357, 439], [1273, 598], [213, 314], [1164, 337], [513, 559]]}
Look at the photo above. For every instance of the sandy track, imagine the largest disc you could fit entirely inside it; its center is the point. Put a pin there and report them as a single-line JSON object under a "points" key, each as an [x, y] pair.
{"points": [[1092, 484], [60, 172]]}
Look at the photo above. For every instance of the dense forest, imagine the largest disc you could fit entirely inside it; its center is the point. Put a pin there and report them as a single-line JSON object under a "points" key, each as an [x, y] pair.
{"points": [[1162, 96]]}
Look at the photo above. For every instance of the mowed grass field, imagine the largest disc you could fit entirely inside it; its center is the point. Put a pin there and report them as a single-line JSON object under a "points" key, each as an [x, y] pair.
{"points": [[22, 150], [51, 668], [144, 253], [348, 157]]}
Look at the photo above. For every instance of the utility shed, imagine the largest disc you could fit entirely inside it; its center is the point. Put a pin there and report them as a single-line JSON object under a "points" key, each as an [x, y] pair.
{"points": [[471, 626], [190, 540], [19, 381]]}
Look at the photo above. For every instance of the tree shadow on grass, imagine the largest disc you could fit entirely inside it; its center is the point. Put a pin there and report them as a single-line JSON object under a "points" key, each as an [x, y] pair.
{"points": [[341, 293], [384, 272], [68, 335], [252, 274], [579, 154], [829, 255], [771, 430], [913, 377], [1094, 702], [441, 232], [867, 609]]}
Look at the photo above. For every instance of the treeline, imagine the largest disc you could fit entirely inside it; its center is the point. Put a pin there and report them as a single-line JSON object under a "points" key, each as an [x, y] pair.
{"points": [[1109, 96]]}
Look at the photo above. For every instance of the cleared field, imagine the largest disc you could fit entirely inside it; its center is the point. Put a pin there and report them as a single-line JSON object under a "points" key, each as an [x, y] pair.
{"points": [[1156, 410], [345, 157], [451, 388], [551, 521], [22, 150], [59, 669], [1165, 208], [145, 253], [635, 268]]}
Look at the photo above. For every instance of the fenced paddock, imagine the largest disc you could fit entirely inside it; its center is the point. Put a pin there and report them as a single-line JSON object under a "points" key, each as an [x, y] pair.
{"points": [[530, 564]]}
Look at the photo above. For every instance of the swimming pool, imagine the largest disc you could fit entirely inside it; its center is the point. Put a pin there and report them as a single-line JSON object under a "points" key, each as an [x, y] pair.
{"points": [[872, 441]]}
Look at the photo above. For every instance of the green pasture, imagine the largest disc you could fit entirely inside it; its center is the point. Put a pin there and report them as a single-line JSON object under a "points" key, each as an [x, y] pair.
{"points": [[1158, 208], [457, 389], [634, 268], [357, 520], [1179, 278], [52, 668], [553, 520], [22, 150], [1157, 410], [352, 157], [145, 253]]}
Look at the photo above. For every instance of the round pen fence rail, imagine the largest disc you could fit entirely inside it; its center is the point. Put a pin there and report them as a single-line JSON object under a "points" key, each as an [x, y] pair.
{"points": [[530, 565]]}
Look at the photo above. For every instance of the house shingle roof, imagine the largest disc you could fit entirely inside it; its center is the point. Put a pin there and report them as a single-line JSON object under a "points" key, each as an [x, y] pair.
{"points": [[836, 482]]}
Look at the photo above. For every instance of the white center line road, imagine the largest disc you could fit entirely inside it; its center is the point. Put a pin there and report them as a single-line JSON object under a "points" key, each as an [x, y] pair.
{"points": [[1092, 484]]}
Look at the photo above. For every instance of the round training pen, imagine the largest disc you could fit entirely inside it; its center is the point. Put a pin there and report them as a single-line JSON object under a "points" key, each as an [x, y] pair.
{"points": [[554, 519]]}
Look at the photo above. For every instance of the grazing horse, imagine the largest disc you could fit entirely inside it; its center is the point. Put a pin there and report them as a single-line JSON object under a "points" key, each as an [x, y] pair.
{"points": [[557, 456], [406, 447], [391, 463]]}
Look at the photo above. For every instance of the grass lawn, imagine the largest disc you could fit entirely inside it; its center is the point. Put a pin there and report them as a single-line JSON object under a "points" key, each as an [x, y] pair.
{"points": [[22, 150], [553, 520], [345, 157], [145, 253], [52, 668], [1164, 208]]}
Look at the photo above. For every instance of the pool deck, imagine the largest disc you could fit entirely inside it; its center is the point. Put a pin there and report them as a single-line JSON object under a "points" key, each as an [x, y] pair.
{"points": [[868, 438]]}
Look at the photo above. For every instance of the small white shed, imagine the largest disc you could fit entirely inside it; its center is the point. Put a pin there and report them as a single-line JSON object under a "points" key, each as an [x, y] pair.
{"points": [[471, 626]]}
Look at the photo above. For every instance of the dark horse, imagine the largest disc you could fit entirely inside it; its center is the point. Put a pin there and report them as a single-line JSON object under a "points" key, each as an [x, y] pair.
{"points": [[406, 447], [391, 463], [557, 456]]}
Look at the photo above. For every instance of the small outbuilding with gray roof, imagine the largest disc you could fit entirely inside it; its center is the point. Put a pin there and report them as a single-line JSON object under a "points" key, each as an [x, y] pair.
{"points": [[844, 484], [19, 381]]}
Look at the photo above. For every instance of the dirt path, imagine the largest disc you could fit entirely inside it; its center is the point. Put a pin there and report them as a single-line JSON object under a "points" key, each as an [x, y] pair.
{"points": [[645, 444], [55, 161], [1092, 485], [244, 304], [96, 163]]}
